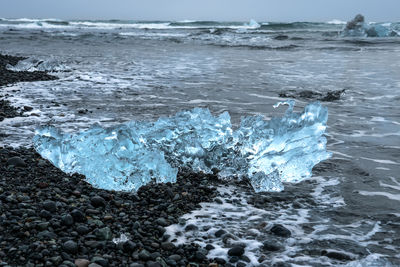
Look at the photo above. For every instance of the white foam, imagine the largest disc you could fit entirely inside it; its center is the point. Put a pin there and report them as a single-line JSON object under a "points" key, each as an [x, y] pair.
{"points": [[381, 161], [384, 194], [372, 260], [336, 22]]}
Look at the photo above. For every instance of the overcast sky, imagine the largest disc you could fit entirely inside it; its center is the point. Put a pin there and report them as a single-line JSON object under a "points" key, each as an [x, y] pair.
{"points": [[240, 10]]}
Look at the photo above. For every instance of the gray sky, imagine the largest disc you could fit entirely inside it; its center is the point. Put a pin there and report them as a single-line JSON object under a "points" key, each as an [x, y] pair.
{"points": [[241, 10]]}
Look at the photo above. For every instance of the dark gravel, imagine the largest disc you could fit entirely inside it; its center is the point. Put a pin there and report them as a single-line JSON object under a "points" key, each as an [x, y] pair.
{"points": [[48, 218]]}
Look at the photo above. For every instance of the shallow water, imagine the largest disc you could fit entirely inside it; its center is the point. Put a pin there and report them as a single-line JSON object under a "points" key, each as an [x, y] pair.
{"points": [[126, 72]]}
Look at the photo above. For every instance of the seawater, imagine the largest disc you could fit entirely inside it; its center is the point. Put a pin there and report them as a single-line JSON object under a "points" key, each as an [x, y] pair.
{"points": [[119, 71]]}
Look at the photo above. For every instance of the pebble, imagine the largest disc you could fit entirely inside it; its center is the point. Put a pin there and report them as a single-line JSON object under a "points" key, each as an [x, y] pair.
{"points": [[82, 262], [67, 220], [70, 246], [167, 246], [97, 201], [16, 161], [50, 206], [78, 215], [191, 227], [220, 233], [280, 230], [104, 233], [271, 246], [236, 251]]}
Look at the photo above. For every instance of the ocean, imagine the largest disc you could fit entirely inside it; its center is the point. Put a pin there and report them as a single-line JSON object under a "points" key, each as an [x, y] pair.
{"points": [[115, 71]]}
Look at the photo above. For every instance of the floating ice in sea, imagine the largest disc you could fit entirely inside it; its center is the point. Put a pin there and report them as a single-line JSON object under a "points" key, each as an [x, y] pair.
{"points": [[358, 28], [253, 24], [130, 155], [33, 64]]}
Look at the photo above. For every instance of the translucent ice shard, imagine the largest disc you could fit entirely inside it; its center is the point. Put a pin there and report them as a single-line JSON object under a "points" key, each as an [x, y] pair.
{"points": [[34, 64], [358, 28], [128, 156]]}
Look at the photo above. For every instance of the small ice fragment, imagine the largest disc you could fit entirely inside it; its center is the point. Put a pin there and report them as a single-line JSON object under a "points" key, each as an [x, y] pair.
{"points": [[122, 239]]}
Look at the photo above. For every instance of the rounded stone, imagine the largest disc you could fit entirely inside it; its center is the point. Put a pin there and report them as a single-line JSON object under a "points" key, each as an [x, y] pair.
{"points": [[236, 251], [70, 246], [78, 215], [67, 220], [16, 161], [82, 262], [280, 230], [167, 246], [97, 201]]}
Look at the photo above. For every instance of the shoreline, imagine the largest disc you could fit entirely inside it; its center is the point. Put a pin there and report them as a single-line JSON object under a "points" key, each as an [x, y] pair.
{"points": [[49, 218], [8, 77]]}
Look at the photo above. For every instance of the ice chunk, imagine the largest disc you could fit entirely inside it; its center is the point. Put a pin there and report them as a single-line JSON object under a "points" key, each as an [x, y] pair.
{"points": [[128, 156], [122, 239], [253, 24], [34, 64], [358, 28]]}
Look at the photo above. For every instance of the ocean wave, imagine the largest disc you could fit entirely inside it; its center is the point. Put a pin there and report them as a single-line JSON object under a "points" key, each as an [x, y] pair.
{"points": [[336, 22]]}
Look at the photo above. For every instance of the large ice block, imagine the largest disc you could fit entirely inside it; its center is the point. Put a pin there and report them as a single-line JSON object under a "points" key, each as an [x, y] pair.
{"points": [[357, 27], [125, 157]]}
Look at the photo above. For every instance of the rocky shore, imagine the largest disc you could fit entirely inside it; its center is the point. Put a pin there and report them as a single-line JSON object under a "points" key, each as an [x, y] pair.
{"points": [[8, 77], [48, 218]]}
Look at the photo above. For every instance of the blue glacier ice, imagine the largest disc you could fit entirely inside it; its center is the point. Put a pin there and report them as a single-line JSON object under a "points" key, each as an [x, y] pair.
{"points": [[358, 28], [127, 156], [253, 24]]}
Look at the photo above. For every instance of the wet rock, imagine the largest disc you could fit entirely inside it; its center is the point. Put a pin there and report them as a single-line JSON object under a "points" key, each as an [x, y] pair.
{"points": [[191, 227], [71, 247], [220, 233], [209, 247], [336, 255], [99, 260], [280, 230], [162, 222], [144, 255], [271, 246], [50, 206], [153, 264], [82, 262], [67, 220], [82, 229], [97, 201], [16, 161], [281, 37], [167, 246], [104, 233], [129, 246], [78, 215], [236, 251], [200, 256]]}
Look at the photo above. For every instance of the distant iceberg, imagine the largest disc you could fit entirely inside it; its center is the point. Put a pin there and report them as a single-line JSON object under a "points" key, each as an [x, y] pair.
{"points": [[358, 28], [130, 155], [253, 24]]}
